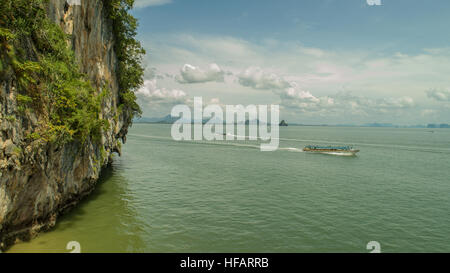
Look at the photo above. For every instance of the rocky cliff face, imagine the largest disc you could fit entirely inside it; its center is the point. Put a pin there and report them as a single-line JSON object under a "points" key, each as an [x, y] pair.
{"points": [[39, 182]]}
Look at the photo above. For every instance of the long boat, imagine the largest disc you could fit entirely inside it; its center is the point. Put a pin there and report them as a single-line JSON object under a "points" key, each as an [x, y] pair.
{"points": [[332, 150]]}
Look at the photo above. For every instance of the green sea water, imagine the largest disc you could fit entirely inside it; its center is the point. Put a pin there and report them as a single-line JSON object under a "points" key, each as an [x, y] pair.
{"points": [[169, 196]]}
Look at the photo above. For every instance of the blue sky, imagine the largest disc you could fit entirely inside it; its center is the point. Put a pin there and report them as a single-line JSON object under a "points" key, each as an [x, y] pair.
{"points": [[405, 25], [323, 61]]}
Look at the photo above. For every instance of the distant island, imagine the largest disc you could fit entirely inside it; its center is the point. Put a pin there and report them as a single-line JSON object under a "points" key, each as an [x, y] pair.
{"points": [[283, 123], [442, 125]]}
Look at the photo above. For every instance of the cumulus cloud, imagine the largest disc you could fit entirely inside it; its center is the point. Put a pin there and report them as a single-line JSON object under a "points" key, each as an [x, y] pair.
{"points": [[299, 100], [148, 3], [293, 97], [396, 103], [151, 94], [293, 93], [439, 95], [256, 78], [194, 74]]}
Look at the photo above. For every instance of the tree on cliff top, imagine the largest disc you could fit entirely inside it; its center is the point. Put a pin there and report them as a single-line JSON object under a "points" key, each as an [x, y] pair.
{"points": [[129, 51]]}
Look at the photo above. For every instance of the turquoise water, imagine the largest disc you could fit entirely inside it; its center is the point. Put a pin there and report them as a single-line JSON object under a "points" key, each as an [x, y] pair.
{"points": [[168, 196]]}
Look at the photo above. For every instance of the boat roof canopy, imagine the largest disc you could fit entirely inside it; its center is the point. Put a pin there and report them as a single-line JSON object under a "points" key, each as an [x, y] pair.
{"points": [[316, 147]]}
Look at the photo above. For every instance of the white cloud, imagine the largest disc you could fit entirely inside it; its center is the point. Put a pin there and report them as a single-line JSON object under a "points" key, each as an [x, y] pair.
{"points": [[159, 100], [194, 74], [396, 103], [299, 100], [341, 104], [148, 3], [295, 94], [256, 78], [439, 95], [150, 90]]}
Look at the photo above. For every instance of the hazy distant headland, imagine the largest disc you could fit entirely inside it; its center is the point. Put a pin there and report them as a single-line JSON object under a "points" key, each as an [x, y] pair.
{"points": [[169, 120]]}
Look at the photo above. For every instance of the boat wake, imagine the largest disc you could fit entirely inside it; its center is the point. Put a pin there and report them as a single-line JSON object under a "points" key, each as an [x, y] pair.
{"points": [[223, 143], [291, 149]]}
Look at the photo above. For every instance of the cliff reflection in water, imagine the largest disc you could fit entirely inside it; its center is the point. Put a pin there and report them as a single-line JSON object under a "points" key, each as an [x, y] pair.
{"points": [[103, 222]]}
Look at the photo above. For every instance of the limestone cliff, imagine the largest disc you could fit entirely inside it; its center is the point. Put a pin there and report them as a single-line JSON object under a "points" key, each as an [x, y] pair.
{"points": [[41, 179]]}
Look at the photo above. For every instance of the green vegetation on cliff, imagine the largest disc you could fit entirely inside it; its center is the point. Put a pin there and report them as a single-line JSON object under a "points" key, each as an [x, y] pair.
{"points": [[35, 52], [129, 52]]}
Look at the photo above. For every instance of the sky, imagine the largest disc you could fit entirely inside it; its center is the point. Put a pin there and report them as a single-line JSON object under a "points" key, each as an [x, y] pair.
{"points": [[322, 61]]}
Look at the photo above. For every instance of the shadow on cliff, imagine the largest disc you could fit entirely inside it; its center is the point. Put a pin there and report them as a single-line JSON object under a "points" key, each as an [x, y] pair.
{"points": [[110, 186], [106, 220]]}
